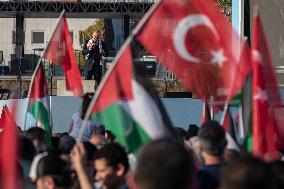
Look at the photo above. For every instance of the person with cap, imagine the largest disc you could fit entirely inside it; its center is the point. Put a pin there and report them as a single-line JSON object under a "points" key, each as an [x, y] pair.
{"points": [[48, 171]]}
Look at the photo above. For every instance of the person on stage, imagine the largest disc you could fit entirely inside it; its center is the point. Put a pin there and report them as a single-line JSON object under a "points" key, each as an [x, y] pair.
{"points": [[93, 50]]}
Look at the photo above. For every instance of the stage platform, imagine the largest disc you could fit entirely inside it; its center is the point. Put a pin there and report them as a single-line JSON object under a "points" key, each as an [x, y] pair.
{"points": [[12, 87]]}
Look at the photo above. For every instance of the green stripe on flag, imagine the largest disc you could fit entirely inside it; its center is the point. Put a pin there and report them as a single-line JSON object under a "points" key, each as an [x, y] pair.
{"points": [[128, 132], [249, 143], [40, 113], [236, 101]]}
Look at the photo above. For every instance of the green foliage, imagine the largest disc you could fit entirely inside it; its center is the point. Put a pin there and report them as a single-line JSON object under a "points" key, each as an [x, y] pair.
{"points": [[80, 59], [226, 6], [99, 25]]}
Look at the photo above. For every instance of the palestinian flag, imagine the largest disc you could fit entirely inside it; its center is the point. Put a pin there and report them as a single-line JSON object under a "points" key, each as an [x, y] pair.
{"points": [[38, 105], [246, 113], [236, 101], [125, 105], [228, 123], [229, 127]]}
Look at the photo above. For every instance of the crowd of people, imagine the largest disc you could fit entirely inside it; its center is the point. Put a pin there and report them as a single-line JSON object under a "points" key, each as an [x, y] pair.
{"points": [[200, 158]]}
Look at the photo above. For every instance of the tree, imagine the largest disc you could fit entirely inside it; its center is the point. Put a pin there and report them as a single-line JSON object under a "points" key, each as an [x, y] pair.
{"points": [[226, 6], [99, 25]]}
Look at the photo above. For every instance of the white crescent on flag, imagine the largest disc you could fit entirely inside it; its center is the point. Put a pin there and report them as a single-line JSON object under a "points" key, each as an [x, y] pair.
{"points": [[182, 29]]}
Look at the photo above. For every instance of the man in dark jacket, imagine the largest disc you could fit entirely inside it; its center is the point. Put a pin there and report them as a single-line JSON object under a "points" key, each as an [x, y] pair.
{"points": [[94, 50], [213, 142]]}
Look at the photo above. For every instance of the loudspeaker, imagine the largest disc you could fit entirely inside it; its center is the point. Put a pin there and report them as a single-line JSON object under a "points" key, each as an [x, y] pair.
{"points": [[19, 51], [14, 65], [16, 62], [126, 24]]}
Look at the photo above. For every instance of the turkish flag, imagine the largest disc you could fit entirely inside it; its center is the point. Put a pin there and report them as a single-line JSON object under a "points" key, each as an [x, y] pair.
{"points": [[264, 131], [60, 51], [194, 40], [273, 94]]}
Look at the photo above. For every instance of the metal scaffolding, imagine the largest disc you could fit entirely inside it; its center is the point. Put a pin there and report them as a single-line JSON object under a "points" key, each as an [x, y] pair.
{"points": [[74, 9]]}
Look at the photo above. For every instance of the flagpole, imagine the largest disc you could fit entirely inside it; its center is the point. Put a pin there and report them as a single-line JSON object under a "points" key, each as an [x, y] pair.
{"points": [[30, 88], [52, 34], [241, 131], [51, 77], [38, 64], [211, 107], [226, 107], [125, 44], [50, 114]]}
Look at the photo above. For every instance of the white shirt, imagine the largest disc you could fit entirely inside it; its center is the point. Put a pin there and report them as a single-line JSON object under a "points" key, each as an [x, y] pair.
{"points": [[89, 129]]}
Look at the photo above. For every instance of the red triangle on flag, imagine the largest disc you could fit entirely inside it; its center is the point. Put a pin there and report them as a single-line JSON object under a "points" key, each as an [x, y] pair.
{"points": [[38, 84], [114, 88]]}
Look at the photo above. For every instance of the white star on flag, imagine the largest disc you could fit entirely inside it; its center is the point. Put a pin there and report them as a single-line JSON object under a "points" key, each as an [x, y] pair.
{"points": [[261, 95], [218, 57], [256, 56]]}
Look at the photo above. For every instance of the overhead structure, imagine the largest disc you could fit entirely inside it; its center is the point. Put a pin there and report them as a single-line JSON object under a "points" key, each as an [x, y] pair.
{"points": [[21, 9], [82, 9]]}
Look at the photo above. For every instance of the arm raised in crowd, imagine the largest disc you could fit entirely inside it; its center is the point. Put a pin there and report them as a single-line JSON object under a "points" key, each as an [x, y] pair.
{"points": [[79, 161]]}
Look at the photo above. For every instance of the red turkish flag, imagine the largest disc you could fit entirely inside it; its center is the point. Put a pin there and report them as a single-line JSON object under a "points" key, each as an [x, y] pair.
{"points": [[194, 40], [9, 149], [270, 82], [264, 131], [60, 51]]}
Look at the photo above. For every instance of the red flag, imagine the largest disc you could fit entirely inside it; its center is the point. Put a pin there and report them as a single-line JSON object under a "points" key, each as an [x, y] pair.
{"points": [[9, 172], [194, 40], [60, 51], [273, 94], [264, 133], [2, 117]]}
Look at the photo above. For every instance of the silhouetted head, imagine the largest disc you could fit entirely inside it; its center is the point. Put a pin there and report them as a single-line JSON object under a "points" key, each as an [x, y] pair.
{"points": [[166, 164]]}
